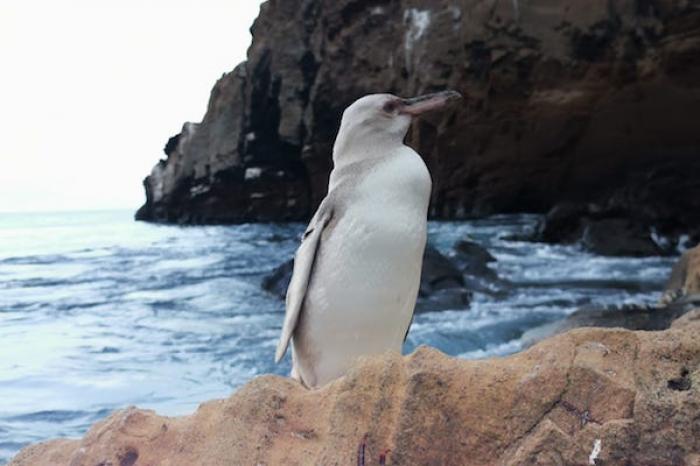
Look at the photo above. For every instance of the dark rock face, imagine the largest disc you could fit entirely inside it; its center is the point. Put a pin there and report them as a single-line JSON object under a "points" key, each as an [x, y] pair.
{"points": [[565, 100]]}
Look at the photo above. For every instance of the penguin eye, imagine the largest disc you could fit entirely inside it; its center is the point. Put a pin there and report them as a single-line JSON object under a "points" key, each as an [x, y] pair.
{"points": [[391, 106]]}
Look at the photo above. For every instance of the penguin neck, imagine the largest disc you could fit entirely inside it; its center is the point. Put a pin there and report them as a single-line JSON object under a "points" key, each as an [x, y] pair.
{"points": [[362, 147]]}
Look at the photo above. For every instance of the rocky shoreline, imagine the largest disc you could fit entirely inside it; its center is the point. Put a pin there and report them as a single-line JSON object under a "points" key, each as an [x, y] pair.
{"points": [[590, 396], [586, 396], [565, 101]]}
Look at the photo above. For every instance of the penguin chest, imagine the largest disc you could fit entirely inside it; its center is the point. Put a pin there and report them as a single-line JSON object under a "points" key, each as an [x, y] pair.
{"points": [[363, 293], [369, 270]]}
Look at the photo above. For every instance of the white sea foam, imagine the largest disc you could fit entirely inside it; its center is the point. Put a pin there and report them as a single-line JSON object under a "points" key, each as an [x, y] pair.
{"points": [[252, 173]]}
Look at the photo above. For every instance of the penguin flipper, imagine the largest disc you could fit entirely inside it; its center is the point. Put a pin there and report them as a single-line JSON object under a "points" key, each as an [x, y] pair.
{"points": [[303, 267]]}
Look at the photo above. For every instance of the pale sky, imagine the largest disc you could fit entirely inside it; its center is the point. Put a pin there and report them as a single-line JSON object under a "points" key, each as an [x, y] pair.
{"points": [[91, 90]]}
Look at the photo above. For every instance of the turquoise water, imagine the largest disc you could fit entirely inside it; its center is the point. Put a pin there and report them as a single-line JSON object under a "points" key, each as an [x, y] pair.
{"points": [[98, 312]]}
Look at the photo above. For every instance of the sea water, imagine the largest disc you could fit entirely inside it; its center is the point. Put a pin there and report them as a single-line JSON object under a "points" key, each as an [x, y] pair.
{"points": [[98, 312]]}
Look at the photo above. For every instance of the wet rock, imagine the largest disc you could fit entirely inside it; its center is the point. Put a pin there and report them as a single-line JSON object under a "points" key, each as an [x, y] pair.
{"points": [[438, 272], [472, 257], [277, 281], [613, 397], [443, 299], [607, 231], [631, 317], [565, 100], [441, 287], [473, 261], [564, 223], [618, 237]]}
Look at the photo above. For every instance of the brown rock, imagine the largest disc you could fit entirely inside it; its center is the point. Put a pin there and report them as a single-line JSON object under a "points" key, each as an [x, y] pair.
{"points": [[690, 317], [566, 100], [633, 393], [685, 278], [691, 284]]}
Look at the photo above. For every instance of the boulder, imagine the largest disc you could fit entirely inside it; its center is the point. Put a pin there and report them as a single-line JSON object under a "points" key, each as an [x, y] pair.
{"points": [[604, 230], [438, 273], [472, 257], [565, 100], [563, 223], [590, 396], [618, 237], [473, 261]]}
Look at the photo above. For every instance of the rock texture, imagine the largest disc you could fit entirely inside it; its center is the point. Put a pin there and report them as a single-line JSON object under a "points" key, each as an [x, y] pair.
{"points": [[590, 396], [685, 276], [566, 100]]}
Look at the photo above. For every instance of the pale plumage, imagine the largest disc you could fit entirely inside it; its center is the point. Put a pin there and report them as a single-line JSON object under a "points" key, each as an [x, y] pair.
{"points": [[357, 271]]}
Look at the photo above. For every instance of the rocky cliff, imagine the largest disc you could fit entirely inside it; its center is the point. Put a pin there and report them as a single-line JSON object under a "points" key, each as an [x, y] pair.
{"points": [[590, 396], [584, 101]]}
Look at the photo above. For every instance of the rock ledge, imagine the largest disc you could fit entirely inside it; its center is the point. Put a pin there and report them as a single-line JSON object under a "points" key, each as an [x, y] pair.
{"points": [[589, 396]]}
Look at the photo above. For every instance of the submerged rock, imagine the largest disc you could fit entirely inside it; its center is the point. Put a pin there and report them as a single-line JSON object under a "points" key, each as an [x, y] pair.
{"points": [[565, 100], [590, 396]]}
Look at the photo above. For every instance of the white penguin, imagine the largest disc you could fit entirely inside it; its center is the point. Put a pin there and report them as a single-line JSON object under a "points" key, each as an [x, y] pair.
{"points": [[357, 271]]}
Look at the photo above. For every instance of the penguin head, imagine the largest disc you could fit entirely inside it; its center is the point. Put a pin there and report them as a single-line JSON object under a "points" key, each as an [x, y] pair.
{"points": [[377, 120]]}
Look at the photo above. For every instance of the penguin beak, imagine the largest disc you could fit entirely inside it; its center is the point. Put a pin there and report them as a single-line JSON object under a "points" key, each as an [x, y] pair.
{"points": [[428, 102]]}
